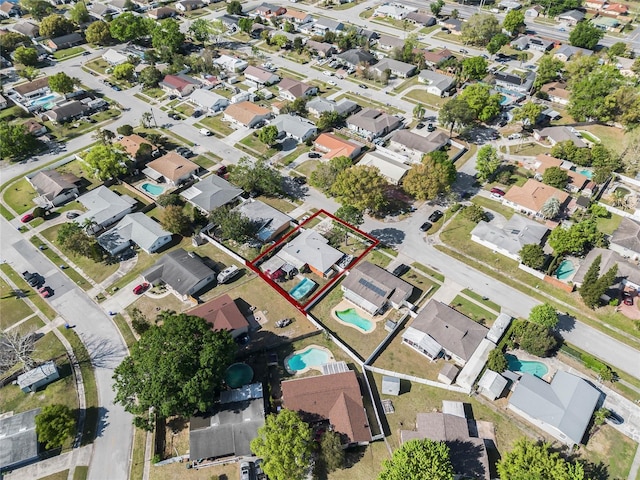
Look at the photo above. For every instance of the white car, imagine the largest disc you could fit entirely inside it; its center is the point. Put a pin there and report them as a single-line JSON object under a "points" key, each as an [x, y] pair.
{"points": [[205, 132], [514, 136], [332, 83], [327, 73]]}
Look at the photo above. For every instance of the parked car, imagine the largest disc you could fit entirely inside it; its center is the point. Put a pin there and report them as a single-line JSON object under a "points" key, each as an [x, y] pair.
{"points": [[222, 170], [260, 475], [420, 126], [27, 218], [363, 86], [462, 50], [45, 292], [284, 322], [425, 226], [116, 88], [72, 215], [400, 270], [497, 191], [196, 113], [245, 471], [514, 136], [332, 83], [175, 116], [430, 127], [205, 132], [435, 216], [627, 299], [140, 289], [327, 73], [614, 418], [300, 180], [314, 155]]}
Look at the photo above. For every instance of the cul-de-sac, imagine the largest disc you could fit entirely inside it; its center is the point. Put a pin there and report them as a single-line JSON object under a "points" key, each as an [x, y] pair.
{"points": [[319, 240]]}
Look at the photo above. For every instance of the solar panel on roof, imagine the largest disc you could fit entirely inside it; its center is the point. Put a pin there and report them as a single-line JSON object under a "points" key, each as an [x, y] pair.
{"points": [[372, 287]]}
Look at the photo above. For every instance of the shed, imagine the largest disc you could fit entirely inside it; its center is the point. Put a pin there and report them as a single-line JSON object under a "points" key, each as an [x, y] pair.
{"points": [[390, 385], [450, 407], [38, 377], [492, 385], [448, 373]]}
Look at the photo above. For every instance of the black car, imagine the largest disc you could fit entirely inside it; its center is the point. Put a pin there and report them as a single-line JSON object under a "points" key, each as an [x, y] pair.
{"points": [[175, 116], [435, 216], [197, 113], [425, 226], [420, 126], [400, 270], [314, 155], [300, 180], [614, 418], [430, 127]]}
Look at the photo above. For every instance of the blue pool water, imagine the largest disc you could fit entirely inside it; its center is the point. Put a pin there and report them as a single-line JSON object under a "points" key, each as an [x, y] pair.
{"points": [[302, 289], [534, 368], [152, 189], [351, 316], [565, 270], [504, 100], [311, 357], [44, 100], [586, 173]]}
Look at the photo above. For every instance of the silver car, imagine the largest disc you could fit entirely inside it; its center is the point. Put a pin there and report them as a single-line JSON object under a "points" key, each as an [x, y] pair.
{"points": [[245, 471]]}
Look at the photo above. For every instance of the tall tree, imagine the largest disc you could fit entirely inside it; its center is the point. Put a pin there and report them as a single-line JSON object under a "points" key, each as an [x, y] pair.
{"points": [[27, 56], [351, 215], [497, 360], [590, 95], [551, 208], [556, 177], [256, 177], [127, 27], [124, 71], [284, 443], [55, 424], [429, 179], [436, 7], [38, 8], [529, 460], [418, 111], [234, 7], [74, 237], [12, 40], [544, 314], [474, 68], [585, 35], [331, 452], [549, 69], [174, 219], [105, 162], [61, 83], [200, 30], [150, 76], [497, 42], [176, 368], [480, 29], [456, 113], [98, 33], [15, 141], [419, 459], [324, 176], [361, 186], [480, 99], [576, 239], [487, 162], [29, 73], [328, 120], [167, 37], [528, 113], [231, 224], [532, 256], [55, 26], [514, 22], [268, 135], [79, 13], [17, 348]]}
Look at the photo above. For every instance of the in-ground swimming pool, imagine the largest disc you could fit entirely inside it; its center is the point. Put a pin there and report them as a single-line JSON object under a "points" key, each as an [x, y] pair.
{"points": [[351, 316], [310, 357], [152, 189], [565, 270], [538, 369], [44, 100], [586, 173], [238, 374], [302, 289]]}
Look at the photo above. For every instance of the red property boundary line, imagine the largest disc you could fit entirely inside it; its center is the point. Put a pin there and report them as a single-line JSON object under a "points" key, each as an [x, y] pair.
{"points": [[302, 307]]}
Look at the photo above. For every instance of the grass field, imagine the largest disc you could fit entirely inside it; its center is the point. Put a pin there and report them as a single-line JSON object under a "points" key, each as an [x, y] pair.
{"points": [[61, 55], [19, 196], [494, 206], [63, 475], [217, 125], [12, 308], [479, 298], [80, 472], [38, 301], [473, 311], [426, 98], [55, 258]]}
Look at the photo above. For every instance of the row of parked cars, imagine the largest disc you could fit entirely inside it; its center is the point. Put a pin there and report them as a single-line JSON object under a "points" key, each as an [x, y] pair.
{"points": [[36, 281]]}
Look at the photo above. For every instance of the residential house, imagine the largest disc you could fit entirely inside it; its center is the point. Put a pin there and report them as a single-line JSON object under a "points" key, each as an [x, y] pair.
{"points": [[509, 5], [34, 128], [65, 41], [32, 380], [576, 181], [432, 59], [422, 19], [606, 24], [324, 25], [135, 228], [120, 6], [323, 49], [626, 239], [210, 193], [343, 107], [373, 289], [222, 313], [335, 398], [571, 17], [181, 85], [492, 385], [468, 452], [355, 58], [628, 274], [26, 28], [566, 52], [54, 188], [387, 42], [415, 146], [391, 169], [33, 89], [616, 9], [515, 83], [132, 143], [296, 16], [439, 328], [189, 5], [113, 57], [334, 146], [104, 207], [3, 103], [562, 408], [534, 11], [625, 66], [557, 92], [161, 13], [210, 101], [10, 10], [270, 222], [559, 134], [231, 64], [595, 4], [183, 273], [260, 76], [290, 89], [171, 168], [228, 429], [310, 249], [268, 10], [246, 113], [371, 123], [520, 43], [508, 240], [99, 10], [436, 83], [298, 128], [230, 22], [66, 112], [531, 197], [395, 67], [454, 25], [393, 10], [18, 439], [540, 44]]}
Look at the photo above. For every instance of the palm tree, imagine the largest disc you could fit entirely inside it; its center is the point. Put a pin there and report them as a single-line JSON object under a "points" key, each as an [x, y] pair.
{"points": [[145, 119], [618, 198], [418, 111]]}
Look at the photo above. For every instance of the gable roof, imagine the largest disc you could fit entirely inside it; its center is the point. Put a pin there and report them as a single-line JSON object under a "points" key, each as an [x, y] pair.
{"points": [[355, 56], [335, 397], [515, 234], [28, 87], [567, 403], [376, 284], [294, 87], [492, 382], [173, 166], [18, 438], [561, 133], [569, 50], [222, 313], [211, 192], [51, 183], [68, 39], [373, 120], [102, 204], [576, 15], [179, 82], [533, 194], [269, 219], [67, 110], [627, 235], [336, 146], [609, 258], [132, 143], [311, 248], [525, 83], [451, 329], [388, 40], [437, 57], [179, 269], [556, 89], [259, 73], [413, 141], [390, 168], [295, 126], [134, 227], [207, 98], [322, 104], [245, 112], [438, 80], [26, 28], [394, 66]]}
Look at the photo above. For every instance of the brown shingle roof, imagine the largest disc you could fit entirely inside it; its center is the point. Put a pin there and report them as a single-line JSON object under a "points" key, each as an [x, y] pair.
{"points": [[335, 397], [245, 112], [532, 195], [29, 87], [173, 166], [222, 313], [132, 143]]}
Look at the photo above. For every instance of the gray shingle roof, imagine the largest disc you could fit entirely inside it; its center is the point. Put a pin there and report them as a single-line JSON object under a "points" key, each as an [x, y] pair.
{"points": [[443, 82], [52, 183], [609, 258], [18, 439], [515, 234], [627, 235], [178, 269], [356, 56], [103, 204], [268, 218], [135, 227], [211, 193], [376, 284]]}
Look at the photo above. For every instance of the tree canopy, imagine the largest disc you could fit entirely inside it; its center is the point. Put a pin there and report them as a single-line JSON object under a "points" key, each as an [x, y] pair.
{"points": [[474, 68], [544, 314], [528, 113], [127, 27], [174, 219], [594, 286], [429, 179], [419, 459], [529, 460], [79, 13], [73, 236], [497, 361], [549, 69], [38, 8], [577, 239], [150, 76], [61, 82], [362, 187], [532, 255], [487, 162], [234, 7], [497, 42], [105, 162], [15, 140], [479, 98], [98, 33], [55, 424], [124, 71], [256, 177], [513, 21], [480, 29], [176, 367], [167, 37], [232, 224], [268, 134], [585, 35], [593, 93], [556, 177], [55, 26], [324, 176], [27, 56], [284, 443], [456, 113]]}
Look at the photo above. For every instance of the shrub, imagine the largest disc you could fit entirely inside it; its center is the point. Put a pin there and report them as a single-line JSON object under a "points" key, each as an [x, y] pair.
{"points": [[125, 130]]}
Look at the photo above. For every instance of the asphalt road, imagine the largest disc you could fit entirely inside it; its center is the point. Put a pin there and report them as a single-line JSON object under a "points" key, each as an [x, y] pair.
{"points": [[112, 447]]}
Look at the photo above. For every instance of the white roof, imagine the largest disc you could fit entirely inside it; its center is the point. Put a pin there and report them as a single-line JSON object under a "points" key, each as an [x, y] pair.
{"points": [[36, 374], [311, 248], [102, 204], [388, 167], [423, 340], [135, 227], [206, 98], [492, 382], [114, 57]]}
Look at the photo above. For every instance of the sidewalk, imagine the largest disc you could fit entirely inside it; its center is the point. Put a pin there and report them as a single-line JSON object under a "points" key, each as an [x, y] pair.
{"points": [[44, 468]]}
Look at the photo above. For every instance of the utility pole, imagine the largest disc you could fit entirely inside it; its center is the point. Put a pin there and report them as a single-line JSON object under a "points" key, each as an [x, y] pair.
{"points": [[154, 118]]}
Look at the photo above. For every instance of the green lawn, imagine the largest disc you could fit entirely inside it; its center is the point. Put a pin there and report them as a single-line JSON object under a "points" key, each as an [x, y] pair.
{"points": [[494, 206], [137, 457], [217, 125], [426, 98], [63, 475], [125, 330], [281, 204], [257, 146], [480, 298], [307, 167], [61, 55], [55, 258], [432, 273], [609, 225], [39, 302], [154, 92], [203, 161], [367, 103], [473, 311], [378, 258], [410, 82], [528, 149], [12, 308], [80, 472], [299, 150], [12, 113], [613, 449], [185, 109], [19, 196], [99, 65]]}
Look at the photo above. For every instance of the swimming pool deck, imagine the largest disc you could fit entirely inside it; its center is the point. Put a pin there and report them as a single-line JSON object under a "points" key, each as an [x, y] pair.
{"points": [[345, 305], [314, 367], [552, 364]]}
